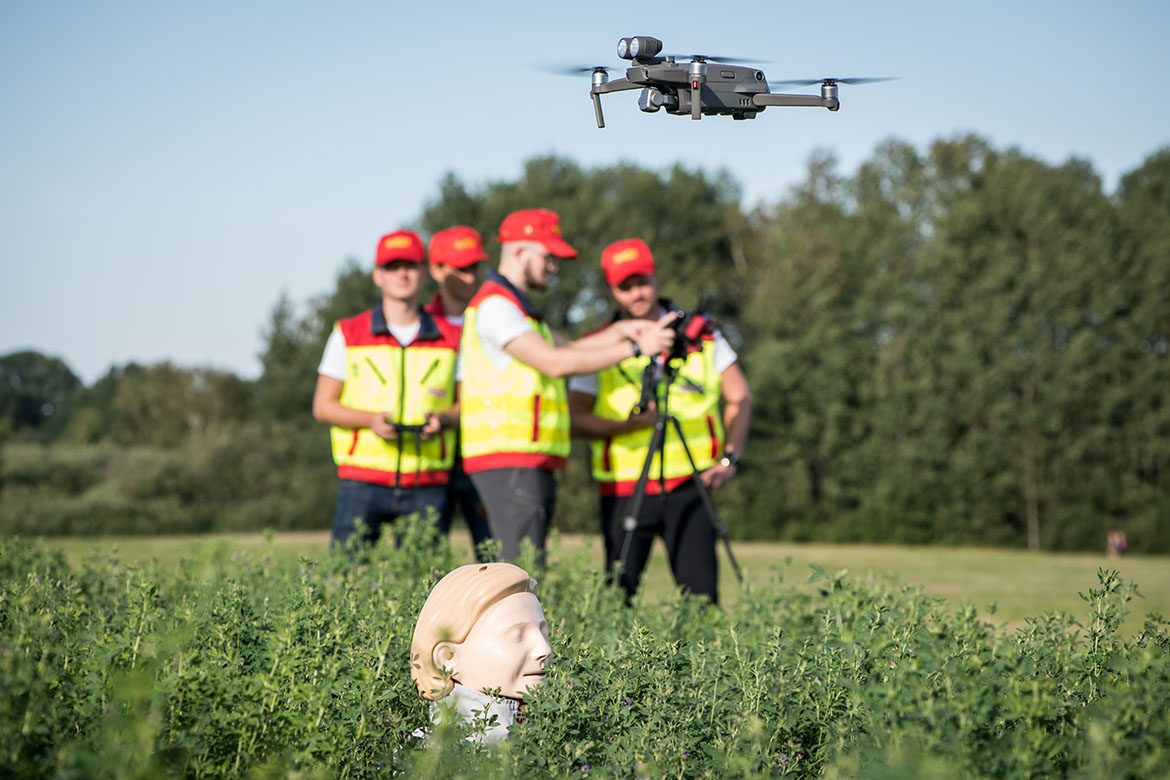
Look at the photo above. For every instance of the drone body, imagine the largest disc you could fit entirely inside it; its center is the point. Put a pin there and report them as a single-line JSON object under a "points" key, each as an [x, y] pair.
{"points": [[701, 84]]}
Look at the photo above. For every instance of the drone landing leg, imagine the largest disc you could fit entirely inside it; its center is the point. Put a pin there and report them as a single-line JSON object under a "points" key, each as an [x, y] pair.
{"points": [[597, 108]]}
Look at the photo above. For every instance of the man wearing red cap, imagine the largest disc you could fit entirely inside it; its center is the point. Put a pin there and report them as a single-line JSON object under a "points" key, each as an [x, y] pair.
{"points": [[386, 385], [514, 412], [456, 258], [603, 409]]}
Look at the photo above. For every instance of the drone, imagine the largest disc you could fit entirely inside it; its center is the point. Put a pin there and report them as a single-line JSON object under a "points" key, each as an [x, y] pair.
{"points": [[701, 84]]}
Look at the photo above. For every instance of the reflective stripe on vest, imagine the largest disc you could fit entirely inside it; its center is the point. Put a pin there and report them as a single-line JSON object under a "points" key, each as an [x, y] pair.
{"points": [[694, 400], [517, 417], [406, 383]]}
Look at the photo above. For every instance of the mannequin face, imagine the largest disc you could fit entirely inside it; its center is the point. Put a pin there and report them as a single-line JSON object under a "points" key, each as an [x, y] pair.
{"points": [[507, 648]]}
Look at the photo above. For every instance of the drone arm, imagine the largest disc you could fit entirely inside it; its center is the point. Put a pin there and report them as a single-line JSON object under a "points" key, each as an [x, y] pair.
{"points": [[764, 99], [618, 85], [611, 86]]}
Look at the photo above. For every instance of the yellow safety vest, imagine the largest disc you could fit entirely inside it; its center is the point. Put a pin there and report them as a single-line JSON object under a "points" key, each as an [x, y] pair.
{"points": [[517, 417], [694, 400], [406, 382]]}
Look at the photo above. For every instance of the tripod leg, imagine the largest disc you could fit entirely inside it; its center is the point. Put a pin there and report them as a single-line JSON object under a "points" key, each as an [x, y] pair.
{"points": [[720, 528], [630, 519]]}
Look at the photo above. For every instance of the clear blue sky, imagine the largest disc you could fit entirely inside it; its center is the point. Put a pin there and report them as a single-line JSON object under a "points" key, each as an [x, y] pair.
{"points": [[169, 169]]}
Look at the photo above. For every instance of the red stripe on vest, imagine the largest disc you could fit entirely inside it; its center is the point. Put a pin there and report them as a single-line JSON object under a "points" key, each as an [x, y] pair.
{"points": [[386, 478], [510, 460], [714, 438], [626, 487], [536, 417]]}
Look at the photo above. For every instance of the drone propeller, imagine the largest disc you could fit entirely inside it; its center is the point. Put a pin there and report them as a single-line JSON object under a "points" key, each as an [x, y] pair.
{"points": [[572, 70], [830, 81], [712, 58]]}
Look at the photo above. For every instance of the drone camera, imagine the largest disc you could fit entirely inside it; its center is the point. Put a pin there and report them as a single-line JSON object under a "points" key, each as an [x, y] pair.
{"points": [[652, 100], [640, 46]]}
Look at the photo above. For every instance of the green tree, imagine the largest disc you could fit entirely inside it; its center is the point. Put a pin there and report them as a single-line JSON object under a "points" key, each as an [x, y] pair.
{"points": [[1016, 300], [1139, 371], [163, 404], [807, 358], [293, 343], [33, 388]]}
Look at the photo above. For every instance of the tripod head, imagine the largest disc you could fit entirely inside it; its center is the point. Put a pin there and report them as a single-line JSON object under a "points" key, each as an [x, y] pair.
{"points": [[690, 326]]}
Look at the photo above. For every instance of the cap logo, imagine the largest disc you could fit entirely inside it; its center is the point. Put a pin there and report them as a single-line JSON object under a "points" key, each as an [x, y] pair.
{"points": [[396, 242], [528, 230], [556, 229], [625, 256], [463, 243]]}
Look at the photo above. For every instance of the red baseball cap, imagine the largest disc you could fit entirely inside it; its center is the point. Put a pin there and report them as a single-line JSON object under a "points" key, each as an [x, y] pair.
{"points": [[622, 259], [540, 225], [458, 247], [399, 245]]}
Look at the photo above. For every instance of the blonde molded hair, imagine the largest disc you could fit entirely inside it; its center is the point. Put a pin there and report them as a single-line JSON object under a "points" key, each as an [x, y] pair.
{"points": [[455, 605]]}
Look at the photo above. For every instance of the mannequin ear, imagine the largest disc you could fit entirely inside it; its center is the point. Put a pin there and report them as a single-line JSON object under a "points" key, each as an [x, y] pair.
{"points": [[443, 656]]}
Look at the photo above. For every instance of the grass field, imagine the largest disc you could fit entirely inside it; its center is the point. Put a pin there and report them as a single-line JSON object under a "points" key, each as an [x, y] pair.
{"points": [[1018, 583]]}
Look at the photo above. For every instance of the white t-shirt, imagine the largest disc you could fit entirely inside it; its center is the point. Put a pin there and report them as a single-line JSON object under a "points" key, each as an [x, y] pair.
{"points": [[333, 360], [723, 358], [497, 321]]}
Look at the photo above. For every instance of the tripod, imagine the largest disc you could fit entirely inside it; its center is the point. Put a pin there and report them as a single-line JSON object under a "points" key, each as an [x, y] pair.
{"points": [[658, 446]]}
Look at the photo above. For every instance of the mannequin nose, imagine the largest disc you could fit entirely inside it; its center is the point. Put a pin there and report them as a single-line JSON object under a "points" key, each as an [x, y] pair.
{"points": [[541, 649]]}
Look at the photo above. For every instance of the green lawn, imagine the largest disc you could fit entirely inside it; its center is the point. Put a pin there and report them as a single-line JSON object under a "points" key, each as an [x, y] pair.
{"points": [[1019, 583]]}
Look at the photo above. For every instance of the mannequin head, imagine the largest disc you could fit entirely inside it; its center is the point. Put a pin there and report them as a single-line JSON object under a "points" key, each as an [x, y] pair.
{"points": [[482, 623]]}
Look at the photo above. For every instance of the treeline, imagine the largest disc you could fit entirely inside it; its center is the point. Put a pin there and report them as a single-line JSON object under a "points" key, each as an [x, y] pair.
{"points": [[955, 345]]}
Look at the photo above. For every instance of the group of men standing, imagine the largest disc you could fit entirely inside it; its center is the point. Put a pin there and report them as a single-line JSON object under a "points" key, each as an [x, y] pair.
{"points": [[471, 400]]}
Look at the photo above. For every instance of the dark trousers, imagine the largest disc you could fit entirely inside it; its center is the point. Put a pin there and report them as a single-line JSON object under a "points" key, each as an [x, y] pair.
{"points": [[462, 493], [682, 520], [519, 504], [377, 505]]}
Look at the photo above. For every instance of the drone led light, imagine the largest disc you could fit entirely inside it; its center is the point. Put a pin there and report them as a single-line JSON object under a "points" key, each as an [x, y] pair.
{"points": [[644, 46]]}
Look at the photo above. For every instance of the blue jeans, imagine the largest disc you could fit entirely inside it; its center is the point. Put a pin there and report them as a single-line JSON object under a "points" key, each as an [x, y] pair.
{"points": [[376, 505]]}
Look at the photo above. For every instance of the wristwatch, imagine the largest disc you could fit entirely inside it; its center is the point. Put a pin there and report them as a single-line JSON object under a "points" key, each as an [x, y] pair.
{"points": [[729, 459]]}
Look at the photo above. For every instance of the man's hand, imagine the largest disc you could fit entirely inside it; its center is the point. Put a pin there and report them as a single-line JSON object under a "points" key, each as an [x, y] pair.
{"points": [[717, 475], [432, 426], [379, 425], [642, 419], [653, 338], [628, 329]]}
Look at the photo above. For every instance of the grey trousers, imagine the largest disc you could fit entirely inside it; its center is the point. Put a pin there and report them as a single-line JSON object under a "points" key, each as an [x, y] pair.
{"points": [[519, 504]]}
